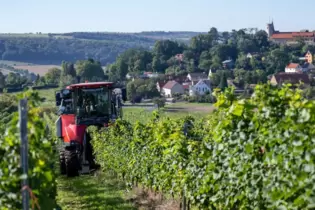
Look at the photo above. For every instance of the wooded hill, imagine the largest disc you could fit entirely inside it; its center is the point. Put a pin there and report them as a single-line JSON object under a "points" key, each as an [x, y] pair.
{"points": [[53, 48]]}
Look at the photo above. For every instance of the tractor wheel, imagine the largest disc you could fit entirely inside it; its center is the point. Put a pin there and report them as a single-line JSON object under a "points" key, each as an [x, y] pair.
{"points": [[62, 162], [72, 163]]}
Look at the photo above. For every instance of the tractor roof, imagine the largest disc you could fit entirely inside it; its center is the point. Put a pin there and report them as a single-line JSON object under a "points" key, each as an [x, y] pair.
{"points": [[91, 85]]}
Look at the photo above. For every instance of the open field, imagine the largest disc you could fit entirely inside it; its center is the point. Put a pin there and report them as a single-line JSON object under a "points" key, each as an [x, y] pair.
{"points": [[37, 69]]}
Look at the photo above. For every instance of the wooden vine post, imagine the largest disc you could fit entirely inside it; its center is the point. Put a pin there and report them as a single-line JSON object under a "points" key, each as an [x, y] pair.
{"points": [[24, 151]]}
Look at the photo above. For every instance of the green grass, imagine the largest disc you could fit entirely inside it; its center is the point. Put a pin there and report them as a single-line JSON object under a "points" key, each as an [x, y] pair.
{"points": [[92, 192], [143, 115], [189, 104], [49, 95]]}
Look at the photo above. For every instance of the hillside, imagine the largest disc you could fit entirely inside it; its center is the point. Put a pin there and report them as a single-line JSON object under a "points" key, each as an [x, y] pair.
{"points": [[53, 48]]}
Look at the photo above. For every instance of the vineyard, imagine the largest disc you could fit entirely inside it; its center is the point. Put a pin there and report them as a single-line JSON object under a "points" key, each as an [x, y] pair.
{"points": [[255, 153], [41, 177]]}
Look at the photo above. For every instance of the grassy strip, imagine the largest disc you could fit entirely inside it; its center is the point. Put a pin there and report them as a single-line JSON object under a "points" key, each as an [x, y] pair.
{"points": [[98, 191]]}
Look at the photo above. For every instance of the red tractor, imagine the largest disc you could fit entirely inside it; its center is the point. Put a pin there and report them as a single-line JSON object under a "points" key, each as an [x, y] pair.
{"points": [[82, 105]]}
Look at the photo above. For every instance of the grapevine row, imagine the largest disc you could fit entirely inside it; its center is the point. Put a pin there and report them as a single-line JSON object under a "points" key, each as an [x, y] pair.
{"points": [[255, 153], [41, 177]]}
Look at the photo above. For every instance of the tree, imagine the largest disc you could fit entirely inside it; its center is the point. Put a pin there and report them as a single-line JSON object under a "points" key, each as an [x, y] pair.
{"points": [[261, 39], [2, 81], [201, 43], [160, 102], [90, 70], [205, 60], [224, 52], [243, 62], [167, 48], [214, 34], [12, 79], [53, 76], [157, 65], [276, 61], [245, 45], [131, 90], [68, 69], [223, 82], [66, 80]]}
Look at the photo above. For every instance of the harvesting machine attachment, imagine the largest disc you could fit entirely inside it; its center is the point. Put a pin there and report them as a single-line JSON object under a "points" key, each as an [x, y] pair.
{"points": [[82, 105]]}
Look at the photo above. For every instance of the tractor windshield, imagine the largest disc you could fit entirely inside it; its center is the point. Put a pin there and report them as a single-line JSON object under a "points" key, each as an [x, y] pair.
{"points": [[93, 102]]}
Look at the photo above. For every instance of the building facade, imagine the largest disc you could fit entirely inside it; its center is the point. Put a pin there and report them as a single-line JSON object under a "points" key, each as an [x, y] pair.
{"points": [[289, 37]]}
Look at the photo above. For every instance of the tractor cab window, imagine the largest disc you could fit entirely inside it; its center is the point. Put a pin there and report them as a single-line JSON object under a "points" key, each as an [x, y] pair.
{"points": [[93, 102], [66, 106]]}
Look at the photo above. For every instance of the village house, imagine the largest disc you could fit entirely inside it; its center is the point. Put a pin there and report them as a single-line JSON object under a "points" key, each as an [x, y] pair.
{"points": [[292, 78], [195, 77], [172, 87], [159, 85], [308, 67], [293, 68], [202, 87]]}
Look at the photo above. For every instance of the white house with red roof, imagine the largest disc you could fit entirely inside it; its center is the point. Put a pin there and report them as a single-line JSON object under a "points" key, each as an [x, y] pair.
{"points": [[293, 68], [172, 87]]}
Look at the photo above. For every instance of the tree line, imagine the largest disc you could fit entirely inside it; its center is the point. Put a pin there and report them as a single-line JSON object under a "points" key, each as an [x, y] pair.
{"points": [[82, 70], [50, 50], [53, 48]]}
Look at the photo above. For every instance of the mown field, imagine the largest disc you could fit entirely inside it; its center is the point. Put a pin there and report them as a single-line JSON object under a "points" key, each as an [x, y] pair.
{"points": [[32, 68]]}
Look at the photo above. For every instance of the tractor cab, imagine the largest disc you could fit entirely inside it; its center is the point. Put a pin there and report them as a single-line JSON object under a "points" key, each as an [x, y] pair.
{"points": [[91, 103]]}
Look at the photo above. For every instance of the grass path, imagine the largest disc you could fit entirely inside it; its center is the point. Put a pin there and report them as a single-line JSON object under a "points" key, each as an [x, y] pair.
{"points": [[93, 192]]}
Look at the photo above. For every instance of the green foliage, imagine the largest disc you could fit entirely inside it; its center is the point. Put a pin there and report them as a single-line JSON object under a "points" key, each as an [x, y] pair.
{"points": [[141, 88], [53, 76], [160, 102], [255, 153], [223, 81], [40, 175], [90, 70]]}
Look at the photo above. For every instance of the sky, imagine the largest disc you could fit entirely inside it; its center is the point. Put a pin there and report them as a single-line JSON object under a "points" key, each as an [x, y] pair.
{"points": [[23, 16]]}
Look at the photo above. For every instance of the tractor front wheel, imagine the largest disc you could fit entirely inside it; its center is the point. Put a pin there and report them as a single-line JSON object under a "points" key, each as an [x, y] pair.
{"points": [[72, 163], [62, 162]]}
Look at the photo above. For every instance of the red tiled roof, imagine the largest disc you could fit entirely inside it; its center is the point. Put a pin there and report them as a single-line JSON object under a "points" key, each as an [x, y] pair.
{"points": [[170, 84], [186, 86], [292, 65], [291, 35], [303, 34]]}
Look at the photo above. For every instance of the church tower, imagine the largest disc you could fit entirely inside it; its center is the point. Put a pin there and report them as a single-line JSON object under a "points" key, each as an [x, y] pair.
{"points": [[270, 29]]}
